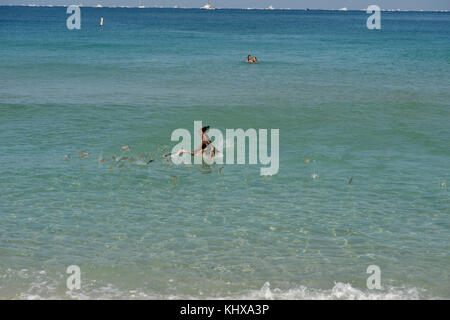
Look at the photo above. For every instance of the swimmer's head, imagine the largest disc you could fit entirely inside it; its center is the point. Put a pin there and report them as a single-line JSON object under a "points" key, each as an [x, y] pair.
{"points": [[204, 129], [249, 57]]}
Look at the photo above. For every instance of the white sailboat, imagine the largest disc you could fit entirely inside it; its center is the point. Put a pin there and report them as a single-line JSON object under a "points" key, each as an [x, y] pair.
{"points": [[208, 6]]}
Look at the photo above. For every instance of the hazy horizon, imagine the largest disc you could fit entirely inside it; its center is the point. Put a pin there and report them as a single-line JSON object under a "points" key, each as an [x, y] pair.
{"points": [[277, 4]]}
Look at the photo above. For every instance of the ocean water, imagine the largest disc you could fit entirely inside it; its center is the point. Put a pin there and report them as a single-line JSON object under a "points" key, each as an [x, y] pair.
{"points": [[372, 105]]}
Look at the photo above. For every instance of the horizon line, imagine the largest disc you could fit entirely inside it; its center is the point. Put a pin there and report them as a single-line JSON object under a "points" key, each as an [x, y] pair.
{"points": [[223, 8]]}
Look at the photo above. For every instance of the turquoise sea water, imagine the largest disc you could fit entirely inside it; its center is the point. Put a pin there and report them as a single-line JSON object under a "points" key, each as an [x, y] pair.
{"points": [[372, 105]]}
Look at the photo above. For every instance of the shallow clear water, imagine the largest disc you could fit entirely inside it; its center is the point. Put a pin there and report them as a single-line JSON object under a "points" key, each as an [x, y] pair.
{"points": [[372, 105]]}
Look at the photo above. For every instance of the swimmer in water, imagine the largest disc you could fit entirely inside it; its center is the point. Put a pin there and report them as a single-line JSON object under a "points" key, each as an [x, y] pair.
{"points": [[206, 141], [249, 59], [255, 60]]}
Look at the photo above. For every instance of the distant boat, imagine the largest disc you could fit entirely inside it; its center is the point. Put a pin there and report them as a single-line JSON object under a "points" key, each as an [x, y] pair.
{"points": [[271, 7], [208, 6], [343, 9]]}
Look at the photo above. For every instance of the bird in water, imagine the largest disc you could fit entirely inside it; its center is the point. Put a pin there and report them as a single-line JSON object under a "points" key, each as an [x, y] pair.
{"points": [[83, 154], [125, 148], [151, 160]]}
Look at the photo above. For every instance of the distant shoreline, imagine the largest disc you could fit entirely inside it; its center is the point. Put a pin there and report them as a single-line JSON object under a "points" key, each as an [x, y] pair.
{"points": [[240, 9]]}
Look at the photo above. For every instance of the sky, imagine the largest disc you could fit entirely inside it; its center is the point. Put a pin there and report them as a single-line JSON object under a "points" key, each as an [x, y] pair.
{"points": [[294, 4]]}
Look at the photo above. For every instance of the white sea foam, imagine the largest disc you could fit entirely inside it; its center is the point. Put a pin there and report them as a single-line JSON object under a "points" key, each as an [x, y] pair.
{"points": [[42, 285], [340, 291]]}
